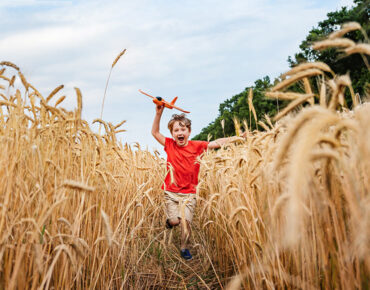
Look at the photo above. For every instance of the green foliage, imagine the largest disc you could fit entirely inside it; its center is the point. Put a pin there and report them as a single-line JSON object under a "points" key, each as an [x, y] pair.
{"points": [[237, 106], [339, 63]]}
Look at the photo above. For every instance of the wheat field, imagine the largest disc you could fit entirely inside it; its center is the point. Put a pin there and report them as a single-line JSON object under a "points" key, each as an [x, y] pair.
{"points": [[285, 208]]}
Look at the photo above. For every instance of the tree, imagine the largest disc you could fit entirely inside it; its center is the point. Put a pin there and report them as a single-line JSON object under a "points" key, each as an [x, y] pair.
{"points": [[237, 106], [353, 64]]}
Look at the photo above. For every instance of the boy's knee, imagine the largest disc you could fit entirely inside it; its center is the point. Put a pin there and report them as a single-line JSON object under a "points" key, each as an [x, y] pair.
{"points": [[174, 222]]}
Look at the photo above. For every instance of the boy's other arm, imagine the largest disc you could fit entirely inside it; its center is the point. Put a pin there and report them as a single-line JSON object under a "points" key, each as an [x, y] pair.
{"points": [[222, 141], [155, 128]]}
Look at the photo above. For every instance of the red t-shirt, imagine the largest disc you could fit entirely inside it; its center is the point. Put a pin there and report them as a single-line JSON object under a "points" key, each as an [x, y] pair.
{"points": [[185, 165]]}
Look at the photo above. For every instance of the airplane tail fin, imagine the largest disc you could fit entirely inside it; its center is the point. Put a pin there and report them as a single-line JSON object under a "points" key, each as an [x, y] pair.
{"points": [[173, 101]]}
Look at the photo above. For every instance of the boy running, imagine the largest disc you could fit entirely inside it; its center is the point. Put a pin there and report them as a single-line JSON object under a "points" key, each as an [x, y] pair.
{"points": [[180, 185]]}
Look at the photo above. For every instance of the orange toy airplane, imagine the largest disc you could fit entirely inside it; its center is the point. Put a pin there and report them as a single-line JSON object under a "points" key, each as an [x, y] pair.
{"points": [[160, 102]]}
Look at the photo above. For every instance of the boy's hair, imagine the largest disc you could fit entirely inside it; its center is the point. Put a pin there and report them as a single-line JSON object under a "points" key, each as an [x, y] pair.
{"points": [[183, 121]]}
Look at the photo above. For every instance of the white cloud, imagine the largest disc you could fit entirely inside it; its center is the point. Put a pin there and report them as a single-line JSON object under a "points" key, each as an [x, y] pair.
{"points": [[203, 51], [49, 40]]}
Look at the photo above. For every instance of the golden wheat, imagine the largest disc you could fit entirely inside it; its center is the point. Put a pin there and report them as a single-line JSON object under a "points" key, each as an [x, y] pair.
{"points": [[346, 27], [284, 208], [118, 57], [336, 42], [299, 75], [358, 48], [10, 64], [309, 65]]}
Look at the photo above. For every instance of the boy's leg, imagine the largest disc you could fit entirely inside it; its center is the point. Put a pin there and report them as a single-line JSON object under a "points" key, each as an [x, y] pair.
{"points": [[187, 217], [185, 234], [172, 211]]}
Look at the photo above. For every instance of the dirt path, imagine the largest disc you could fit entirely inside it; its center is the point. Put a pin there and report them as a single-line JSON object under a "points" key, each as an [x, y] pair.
{"points": [[168, 270]]}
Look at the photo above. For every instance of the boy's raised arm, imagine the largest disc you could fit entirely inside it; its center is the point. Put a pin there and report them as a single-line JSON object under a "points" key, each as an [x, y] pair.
{"points": [[155, 128]]}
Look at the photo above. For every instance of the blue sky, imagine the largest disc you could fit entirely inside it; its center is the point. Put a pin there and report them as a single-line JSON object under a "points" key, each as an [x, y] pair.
{"points": [[202, 51]]}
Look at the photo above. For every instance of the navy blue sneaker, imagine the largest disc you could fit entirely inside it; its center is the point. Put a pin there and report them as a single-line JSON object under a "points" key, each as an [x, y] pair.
{"points": [[186, 254], [168, 225]]}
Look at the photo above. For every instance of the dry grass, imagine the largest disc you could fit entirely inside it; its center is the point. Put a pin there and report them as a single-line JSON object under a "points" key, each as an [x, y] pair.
{"points": [[285, 208]]}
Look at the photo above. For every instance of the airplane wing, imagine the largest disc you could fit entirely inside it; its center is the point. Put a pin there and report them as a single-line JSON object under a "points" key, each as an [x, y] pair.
{"points": [[172, 106], [144, 93], [177, 108]]}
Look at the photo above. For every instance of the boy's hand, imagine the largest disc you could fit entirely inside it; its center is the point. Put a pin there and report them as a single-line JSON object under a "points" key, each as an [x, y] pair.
{"points": [[159, 109]]}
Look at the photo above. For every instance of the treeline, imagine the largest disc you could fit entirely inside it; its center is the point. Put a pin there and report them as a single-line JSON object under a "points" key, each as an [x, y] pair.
{"points": [[356, 65]]}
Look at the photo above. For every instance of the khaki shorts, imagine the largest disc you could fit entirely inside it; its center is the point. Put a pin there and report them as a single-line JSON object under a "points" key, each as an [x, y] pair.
{"points": [[180, 205]]}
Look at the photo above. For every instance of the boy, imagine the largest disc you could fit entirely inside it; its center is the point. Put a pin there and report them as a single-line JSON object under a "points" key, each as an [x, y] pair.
{"points": [[180, 184]]}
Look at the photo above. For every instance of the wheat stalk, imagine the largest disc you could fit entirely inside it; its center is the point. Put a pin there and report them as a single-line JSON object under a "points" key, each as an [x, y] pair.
{"points": [[296, 77], [54, 92], [106, 85], [10, 64], [108, 230], [61, 99], [308, 65], [346, 27], [336, 42], [250, 105], [77, 185], [292, 105], [118, 57]]}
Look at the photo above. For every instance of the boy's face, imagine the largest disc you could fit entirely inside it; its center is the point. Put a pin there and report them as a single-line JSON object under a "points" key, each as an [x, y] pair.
{"points": [[180, 133]]}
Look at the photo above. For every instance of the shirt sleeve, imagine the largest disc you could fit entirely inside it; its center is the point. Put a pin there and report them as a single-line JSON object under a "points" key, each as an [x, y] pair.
{"points": [[203, 145], [167, 143]]}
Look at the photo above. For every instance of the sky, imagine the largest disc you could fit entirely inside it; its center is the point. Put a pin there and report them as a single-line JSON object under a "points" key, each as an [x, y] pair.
{"points": [[202, 51]]}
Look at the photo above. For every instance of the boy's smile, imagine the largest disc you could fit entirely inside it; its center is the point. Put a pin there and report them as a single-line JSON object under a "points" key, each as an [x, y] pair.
{"points": [[180, 133]]}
